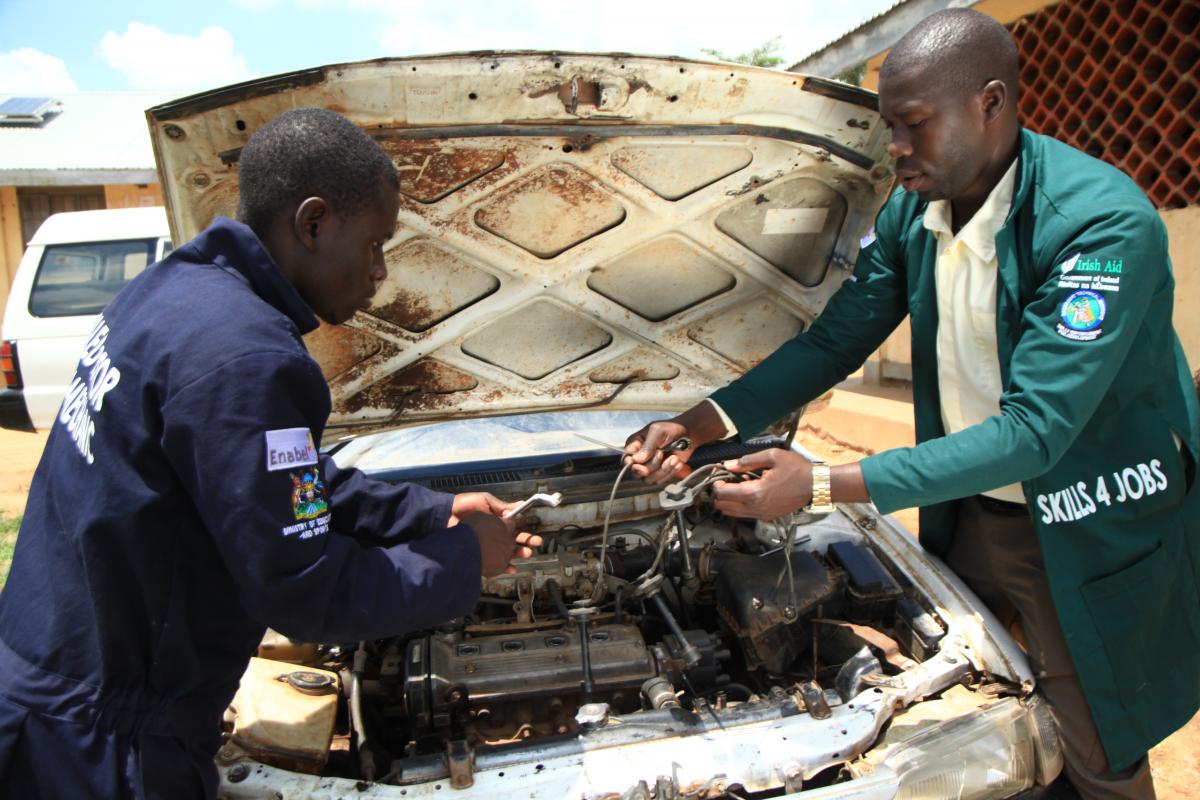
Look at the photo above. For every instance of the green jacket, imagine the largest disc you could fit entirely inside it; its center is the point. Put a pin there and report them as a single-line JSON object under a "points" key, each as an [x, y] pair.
{"points": [[1095, 383]]}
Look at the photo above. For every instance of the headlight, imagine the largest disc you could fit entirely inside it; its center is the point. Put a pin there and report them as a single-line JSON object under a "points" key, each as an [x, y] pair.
{"points": [[996, 752]]}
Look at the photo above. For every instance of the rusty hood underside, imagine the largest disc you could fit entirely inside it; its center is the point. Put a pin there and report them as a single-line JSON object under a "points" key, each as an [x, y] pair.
{"points": [[574, 230]]}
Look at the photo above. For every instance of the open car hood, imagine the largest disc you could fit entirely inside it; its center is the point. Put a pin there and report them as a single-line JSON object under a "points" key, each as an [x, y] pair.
{"points": [[575, 230]]}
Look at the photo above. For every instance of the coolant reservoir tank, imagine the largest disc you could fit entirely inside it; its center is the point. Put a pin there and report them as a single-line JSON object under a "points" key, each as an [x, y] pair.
{"points": [[285, 714]]}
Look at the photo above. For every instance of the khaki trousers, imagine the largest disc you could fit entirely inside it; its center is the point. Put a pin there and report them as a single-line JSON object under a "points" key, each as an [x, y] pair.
{"points": [[996, 552]]}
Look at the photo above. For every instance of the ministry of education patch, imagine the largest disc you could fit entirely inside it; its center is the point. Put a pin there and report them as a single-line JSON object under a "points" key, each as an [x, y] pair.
{"points": [[1080, 316], [309, 499]]}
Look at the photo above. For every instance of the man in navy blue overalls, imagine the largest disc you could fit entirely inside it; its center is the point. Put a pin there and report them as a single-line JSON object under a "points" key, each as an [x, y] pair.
{"points": [[181, 505]]}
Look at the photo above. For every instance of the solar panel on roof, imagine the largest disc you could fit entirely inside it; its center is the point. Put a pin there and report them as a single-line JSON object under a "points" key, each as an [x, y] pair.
{"points": [[27, 108]]}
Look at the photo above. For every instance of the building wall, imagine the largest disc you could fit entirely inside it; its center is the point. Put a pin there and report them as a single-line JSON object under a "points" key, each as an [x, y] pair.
{"points": [[11, 243], [1183, 230], [132, 195], [1118, 80]]}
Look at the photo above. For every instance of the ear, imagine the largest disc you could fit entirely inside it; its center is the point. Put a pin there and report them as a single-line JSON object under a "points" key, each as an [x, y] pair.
{"points": [[311, 219], [993, 100]]}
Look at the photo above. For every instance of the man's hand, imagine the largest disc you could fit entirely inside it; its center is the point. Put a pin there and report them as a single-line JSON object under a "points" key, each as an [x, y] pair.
{"points": [[499, 542], [476, 502], [785, 485], [645, 449], [700, 423]]}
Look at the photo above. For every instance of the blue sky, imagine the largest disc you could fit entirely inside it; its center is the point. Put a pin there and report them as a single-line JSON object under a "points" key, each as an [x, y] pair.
{"points": [[181, 47]]}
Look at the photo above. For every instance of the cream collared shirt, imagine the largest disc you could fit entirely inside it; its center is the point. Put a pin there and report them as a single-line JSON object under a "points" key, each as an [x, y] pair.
{"points": [[965, 276]]}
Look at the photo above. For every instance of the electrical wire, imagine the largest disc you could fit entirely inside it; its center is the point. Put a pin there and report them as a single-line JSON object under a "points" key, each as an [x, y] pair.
{"points": [[618, 532], [599, 590]]}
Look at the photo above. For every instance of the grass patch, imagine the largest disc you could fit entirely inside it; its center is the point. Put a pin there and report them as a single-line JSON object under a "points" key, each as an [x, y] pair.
{"points": [[8, 540]]}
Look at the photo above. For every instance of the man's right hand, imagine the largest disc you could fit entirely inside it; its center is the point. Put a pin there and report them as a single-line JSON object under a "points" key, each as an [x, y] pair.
{"points": [[499, 541], [700, 424], [645, 449]]}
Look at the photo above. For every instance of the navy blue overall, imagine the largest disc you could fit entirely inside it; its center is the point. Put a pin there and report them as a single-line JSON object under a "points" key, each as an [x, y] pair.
{"points": [[179, 508]]}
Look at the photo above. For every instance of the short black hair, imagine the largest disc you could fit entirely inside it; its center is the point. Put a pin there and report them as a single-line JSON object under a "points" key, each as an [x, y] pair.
{"points": [[965, 49], [310, 152]]}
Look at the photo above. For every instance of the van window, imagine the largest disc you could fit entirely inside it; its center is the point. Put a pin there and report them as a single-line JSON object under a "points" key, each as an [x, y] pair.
{"points": [[75, 279]]}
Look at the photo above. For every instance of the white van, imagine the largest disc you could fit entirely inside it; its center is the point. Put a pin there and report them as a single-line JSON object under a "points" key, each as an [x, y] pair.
{"points": [[74, 265]]}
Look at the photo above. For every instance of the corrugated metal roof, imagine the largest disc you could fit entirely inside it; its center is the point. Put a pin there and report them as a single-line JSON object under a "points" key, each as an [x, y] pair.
{"points": [[95, 131], [876, 35], [841, 37]]}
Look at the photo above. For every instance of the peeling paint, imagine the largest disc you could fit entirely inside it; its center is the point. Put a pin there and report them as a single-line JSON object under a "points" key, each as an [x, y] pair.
{"points": [[423, 385], [511, 205], [429, 173], [338, 349]]}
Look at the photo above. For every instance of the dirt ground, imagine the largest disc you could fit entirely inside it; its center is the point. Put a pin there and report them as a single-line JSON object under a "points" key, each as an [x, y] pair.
{"points": [[836, 432]]}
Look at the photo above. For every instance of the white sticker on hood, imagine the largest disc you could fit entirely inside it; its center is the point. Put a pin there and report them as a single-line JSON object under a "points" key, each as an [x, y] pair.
{"points": [[794, 220], [290, 447]]}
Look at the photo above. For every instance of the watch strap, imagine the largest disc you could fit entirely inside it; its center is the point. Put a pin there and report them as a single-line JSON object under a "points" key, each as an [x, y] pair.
{"points": [[822, 489]]}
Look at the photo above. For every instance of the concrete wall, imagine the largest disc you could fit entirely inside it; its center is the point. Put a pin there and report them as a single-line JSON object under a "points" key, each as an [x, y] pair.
{"points": [[132, 195], [1183, 229], [11, 245]]}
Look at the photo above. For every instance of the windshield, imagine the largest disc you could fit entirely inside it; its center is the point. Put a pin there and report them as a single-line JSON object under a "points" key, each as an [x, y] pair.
{"points": [[520, 439], [75, 279]]}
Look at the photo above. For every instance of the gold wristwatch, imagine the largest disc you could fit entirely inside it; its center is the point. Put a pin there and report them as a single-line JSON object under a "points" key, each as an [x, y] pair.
{"points": [[822, 490]]}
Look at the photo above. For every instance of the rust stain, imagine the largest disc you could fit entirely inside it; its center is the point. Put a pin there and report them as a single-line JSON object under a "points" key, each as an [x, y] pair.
{"points": [[643, 364], [578, 91], [750, 185], [541, 91], [703, 790], [410, 310], [338, 349], [551, 212], [637, 85], [429, 173], [425, 384], [427, 283], [219, 198]]}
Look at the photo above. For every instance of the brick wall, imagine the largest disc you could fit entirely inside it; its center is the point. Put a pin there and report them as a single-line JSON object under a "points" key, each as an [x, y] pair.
{"points": [[1118, 79]]}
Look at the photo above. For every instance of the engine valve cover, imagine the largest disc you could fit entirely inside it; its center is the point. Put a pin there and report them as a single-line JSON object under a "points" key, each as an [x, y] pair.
{"points": [[442, 674]]}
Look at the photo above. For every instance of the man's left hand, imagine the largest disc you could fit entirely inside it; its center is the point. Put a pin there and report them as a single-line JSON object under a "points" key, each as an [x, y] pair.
{"points": [[785, 485]]}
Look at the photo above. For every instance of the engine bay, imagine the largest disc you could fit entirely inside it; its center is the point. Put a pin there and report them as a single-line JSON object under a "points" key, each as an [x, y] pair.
{"points": [[644, 604]]}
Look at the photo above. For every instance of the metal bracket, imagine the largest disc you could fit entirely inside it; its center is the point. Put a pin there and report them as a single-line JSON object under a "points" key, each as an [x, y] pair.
{"points": [[524, 604], [460, 758], [814, 700], [675, 497]]}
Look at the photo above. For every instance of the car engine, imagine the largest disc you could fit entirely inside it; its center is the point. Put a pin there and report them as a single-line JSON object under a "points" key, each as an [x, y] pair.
{"points": [[643, 599]]}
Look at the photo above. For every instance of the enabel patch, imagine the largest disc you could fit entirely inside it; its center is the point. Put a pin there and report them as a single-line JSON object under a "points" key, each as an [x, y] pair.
{"points": [[289, 448]]}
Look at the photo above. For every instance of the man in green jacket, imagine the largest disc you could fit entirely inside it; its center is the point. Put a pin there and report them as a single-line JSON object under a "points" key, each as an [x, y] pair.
{"points": [[1056, 422]]}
